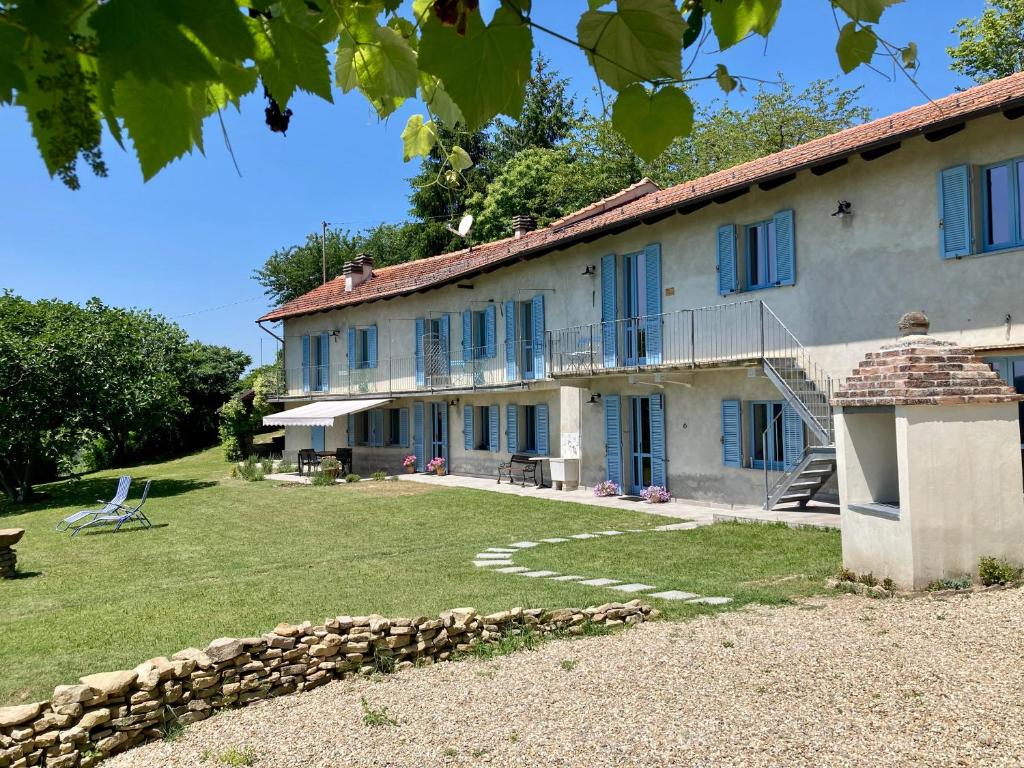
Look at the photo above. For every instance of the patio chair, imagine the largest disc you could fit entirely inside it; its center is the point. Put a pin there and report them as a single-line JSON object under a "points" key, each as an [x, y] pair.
{"points": [[108, 507], [308, 458], [125, 515]]}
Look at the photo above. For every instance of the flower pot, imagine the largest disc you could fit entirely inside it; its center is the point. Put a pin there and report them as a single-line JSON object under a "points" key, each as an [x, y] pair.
{"points": [[331, 473], [439, 470], [410, 469]]}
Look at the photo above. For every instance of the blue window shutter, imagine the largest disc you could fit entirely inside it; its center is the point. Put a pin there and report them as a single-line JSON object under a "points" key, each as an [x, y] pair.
{"points": [[377, 420], [492, 428], [490, 331], [541, 412], [417, 435], [446, 350], [609, 310], [467, 335], [467, 427], [323, 368], [792, 436], [403, 427], [727, 281], [785, 247], [305, 363], [371, 345], [420, 377], [351, 430], [652, 287], [444, 432], [538, 336], [317, 437], [732, 444], [659, 472], [955, 230], [353, 355], [512, 428], [613, 438], [510, 341]]}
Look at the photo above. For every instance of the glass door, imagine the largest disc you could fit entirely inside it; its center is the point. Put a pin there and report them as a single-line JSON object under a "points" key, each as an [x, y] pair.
{"points": [[766, 435], [526, 339], [640, 455], [439, 432], [634, 307]]}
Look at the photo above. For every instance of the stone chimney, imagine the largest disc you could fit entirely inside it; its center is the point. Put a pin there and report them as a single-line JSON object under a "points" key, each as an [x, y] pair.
{"points": [[523, 223], [357, 271]]}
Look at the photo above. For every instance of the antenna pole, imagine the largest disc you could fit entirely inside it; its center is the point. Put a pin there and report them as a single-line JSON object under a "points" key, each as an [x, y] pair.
{"points": [[323, 250]]}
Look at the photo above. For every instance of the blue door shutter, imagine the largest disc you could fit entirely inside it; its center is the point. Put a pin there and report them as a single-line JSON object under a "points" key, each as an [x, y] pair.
{"points": [[403, 427], [955, 230], [490, 332], [323, 368], [467, 427], [613, 439], [377, 422], [305, 363], [446, 349], [609, 310], [510, 341], [732, 445], [317, 436], [417, 434], [538, 336], [542, 429], [371, 345], [659, 471], [353, 358], [785, 248], [494, 438], [350, 428], [727, 281], [512, 428], [444, 434], [792, 436], [468, 353], [652, 287], [420, 377]]}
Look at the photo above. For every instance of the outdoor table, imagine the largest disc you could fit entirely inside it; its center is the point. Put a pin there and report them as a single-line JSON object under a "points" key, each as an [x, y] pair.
{"points": [[539, 460]]}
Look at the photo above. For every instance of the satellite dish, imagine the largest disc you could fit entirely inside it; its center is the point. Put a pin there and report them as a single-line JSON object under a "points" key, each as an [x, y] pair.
{"points": [[465, 225]]}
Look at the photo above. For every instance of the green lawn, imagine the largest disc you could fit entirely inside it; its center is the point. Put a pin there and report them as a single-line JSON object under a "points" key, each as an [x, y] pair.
{"points": [[233, 558]]}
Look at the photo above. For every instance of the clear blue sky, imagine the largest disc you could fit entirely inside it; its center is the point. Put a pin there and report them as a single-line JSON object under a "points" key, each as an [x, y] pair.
{"points": [[185, 243]]}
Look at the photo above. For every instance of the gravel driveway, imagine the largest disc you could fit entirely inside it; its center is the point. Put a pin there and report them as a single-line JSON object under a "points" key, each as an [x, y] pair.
{"points": [[837, 682]]}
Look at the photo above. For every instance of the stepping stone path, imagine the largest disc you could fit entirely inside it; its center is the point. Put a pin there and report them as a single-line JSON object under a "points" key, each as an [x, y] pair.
{"points": [[493, 557]]}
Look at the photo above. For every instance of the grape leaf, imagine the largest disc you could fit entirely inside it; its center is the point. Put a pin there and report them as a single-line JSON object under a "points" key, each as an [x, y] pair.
{"points": [[640, 40], [159, 118], [289, 57], [438, 101], [460, 159], [385, 66], [855, 46], [649, 122], [142, 38], [484, 72], [725, 81], [11, 76], [218, 24], [865, 10], [909, 56], [733, 20], [418, 138]]}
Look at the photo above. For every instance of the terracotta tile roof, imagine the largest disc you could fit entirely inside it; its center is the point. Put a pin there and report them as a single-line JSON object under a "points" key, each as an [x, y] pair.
{"points": [[436, 271]]}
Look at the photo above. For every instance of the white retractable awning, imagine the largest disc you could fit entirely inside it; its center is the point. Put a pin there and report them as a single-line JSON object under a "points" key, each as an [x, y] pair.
{"points": [[320, 414]]}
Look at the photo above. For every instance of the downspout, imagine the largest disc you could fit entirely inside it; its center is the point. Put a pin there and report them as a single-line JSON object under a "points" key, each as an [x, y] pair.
{"points": [[265, 330]]}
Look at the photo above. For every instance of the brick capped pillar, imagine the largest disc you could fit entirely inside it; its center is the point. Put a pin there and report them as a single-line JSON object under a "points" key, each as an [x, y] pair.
{"points": [[929, 462]]}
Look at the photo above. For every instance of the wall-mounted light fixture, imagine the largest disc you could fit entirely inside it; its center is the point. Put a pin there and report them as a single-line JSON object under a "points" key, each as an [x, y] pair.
{"points": [[590, 269], [843, 209], [454, 402], [595, 398]]}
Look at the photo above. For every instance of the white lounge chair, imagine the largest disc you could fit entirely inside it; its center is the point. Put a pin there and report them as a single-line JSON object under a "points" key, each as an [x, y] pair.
{"points": [[124, 515], [123, 484]]}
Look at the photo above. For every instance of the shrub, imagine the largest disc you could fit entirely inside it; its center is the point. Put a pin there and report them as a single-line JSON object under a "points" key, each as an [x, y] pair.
{"points": [[845, 574], [330, 465], [352, 478], [888, 584], [379, 475], [319, 478], [250, 469], [286, 467], [868, 579], [607, 488], [655, 494], [964, 582], [992, 571], [267, 465]]}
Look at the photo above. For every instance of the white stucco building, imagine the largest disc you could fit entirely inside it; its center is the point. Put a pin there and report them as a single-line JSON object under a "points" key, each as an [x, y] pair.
{"points": [[685, 337]]}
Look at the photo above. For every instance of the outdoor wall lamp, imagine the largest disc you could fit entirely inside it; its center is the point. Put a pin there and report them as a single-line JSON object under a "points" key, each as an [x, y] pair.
{"points": [[454, 402], [843, 209], [595, 398], [590, 269]]}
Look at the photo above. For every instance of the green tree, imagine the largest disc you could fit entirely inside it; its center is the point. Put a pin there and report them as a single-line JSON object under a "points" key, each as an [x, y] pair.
{"points": [[991, 46], [153, 71], [240, 421]]}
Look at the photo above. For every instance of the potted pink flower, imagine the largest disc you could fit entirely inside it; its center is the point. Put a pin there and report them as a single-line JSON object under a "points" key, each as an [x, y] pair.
{"points": [[436, 465], [409, 462], [607, 488], [655, 494]]}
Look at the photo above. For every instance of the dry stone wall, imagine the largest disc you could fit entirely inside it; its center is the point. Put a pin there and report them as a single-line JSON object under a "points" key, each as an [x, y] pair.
{"points": [[109, 712]]}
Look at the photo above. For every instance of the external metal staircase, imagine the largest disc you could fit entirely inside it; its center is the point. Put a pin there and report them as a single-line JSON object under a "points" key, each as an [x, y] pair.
{"points": [[807, 390]]}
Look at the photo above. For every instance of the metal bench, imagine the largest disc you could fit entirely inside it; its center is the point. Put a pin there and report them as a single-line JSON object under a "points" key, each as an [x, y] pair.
{"points": [[521, 463]]}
